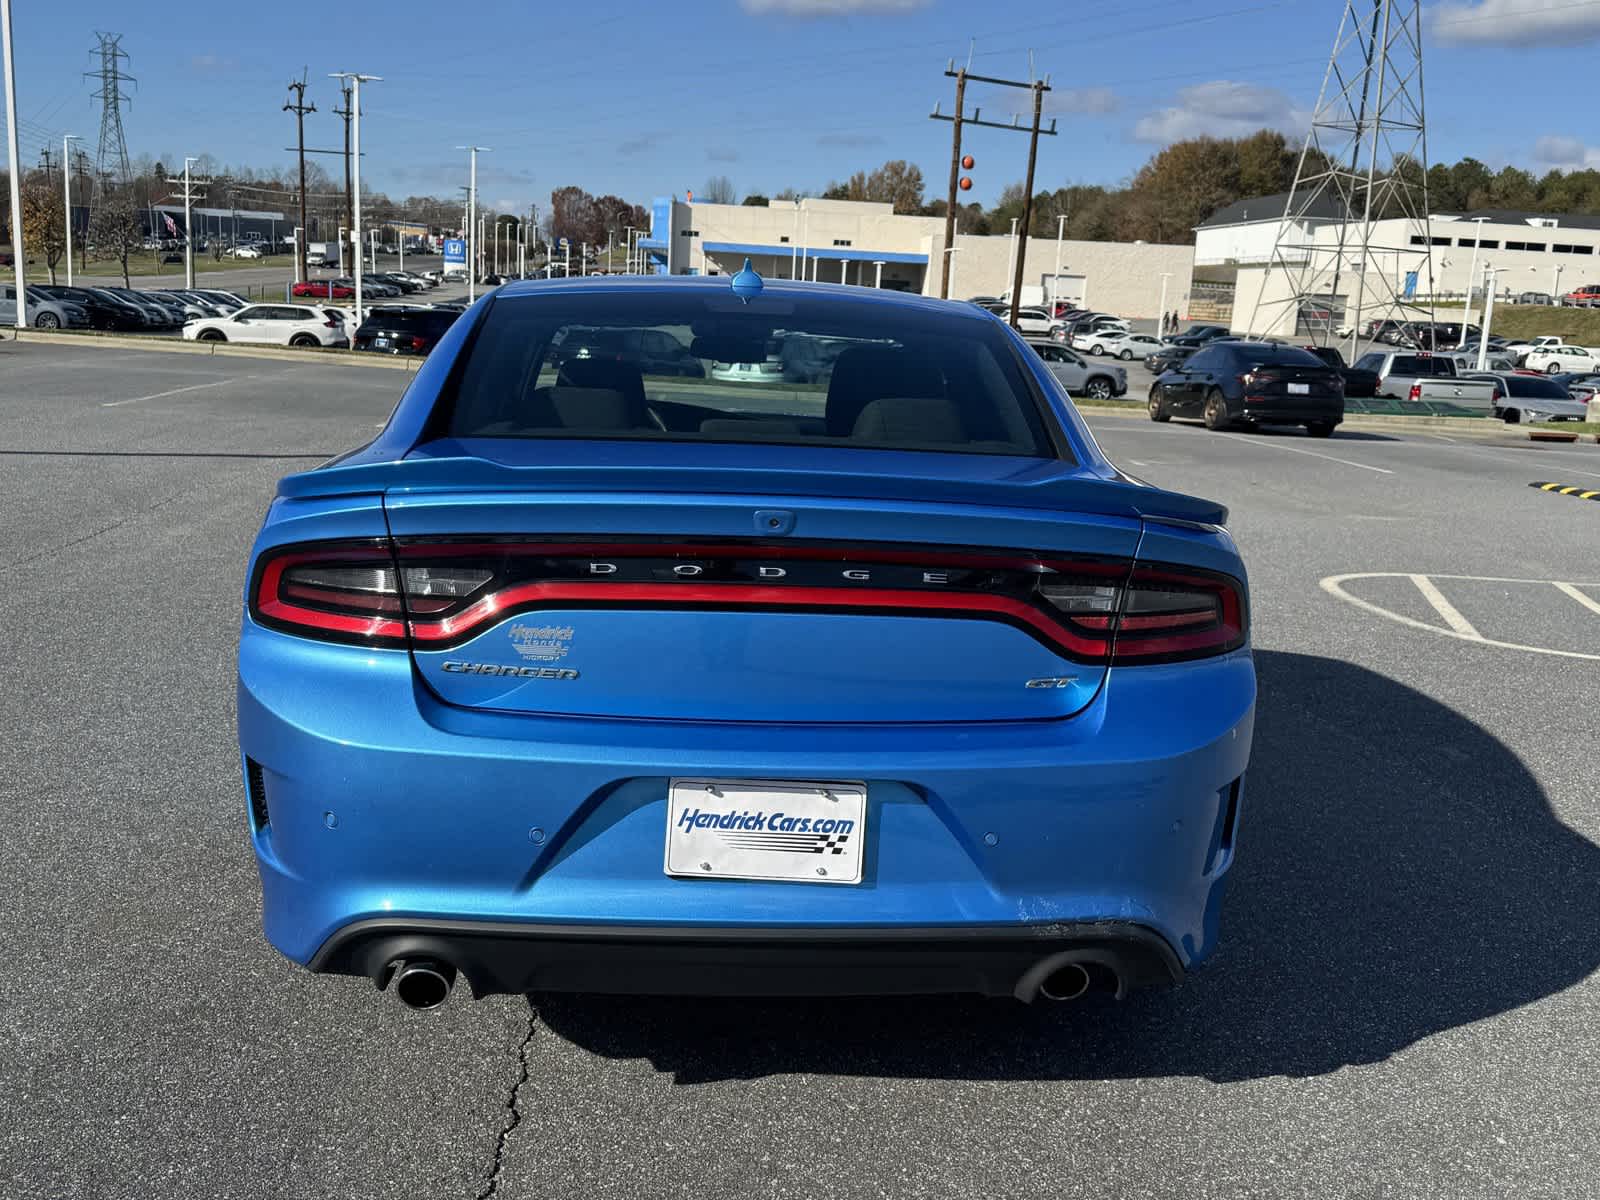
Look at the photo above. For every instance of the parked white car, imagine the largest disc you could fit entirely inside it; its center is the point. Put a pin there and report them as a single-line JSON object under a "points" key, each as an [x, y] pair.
{"points": [[245, 252], [1126, 346], [272, 325], [1519, 349], [1095, 340], [1553, 360]]}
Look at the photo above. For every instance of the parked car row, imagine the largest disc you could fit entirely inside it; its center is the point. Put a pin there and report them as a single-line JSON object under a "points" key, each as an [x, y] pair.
{"points": [[384, 283], [121, 309], [387, 329]]}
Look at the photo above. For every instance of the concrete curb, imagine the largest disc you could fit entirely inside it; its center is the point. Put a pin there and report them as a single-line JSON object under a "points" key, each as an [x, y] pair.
{"points": [[322, 356]]}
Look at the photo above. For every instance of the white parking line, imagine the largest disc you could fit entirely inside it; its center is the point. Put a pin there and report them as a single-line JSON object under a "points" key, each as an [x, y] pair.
{"points": [[1449, 612], [193, 387], [1255, 441], [1334, 585], [1582, 598]]}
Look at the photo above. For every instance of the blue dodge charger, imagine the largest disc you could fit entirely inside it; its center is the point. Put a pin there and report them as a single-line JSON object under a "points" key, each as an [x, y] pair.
{"points": [[591, 673]]}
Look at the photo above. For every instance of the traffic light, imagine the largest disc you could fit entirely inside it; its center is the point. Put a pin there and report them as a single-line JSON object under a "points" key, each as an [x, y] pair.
{"points": [[967, 163]]}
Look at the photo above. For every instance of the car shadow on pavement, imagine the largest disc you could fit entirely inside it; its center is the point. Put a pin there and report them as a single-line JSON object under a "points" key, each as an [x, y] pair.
{"points": [[1400, 873]]}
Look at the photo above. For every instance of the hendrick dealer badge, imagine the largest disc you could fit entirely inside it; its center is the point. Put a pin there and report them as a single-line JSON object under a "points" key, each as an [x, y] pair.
{"points": [[766, 829]]}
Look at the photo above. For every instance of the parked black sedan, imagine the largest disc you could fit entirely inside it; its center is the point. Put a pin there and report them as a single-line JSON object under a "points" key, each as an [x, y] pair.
{"points": [[1228, 383]]}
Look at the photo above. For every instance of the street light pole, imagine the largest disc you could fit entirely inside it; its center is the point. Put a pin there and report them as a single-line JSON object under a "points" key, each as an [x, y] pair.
{"points": [[877, 279], [472, 221], [66, 194], [1011, 263], [19, 261], [356, 80], [188, 227], [1055, 280], [1472, 271], [1488, 316]]}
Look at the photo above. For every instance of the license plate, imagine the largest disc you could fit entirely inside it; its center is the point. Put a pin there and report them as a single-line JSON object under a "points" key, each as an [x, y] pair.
{"points": [[384, 342], [809, 832], [1299, 389]]}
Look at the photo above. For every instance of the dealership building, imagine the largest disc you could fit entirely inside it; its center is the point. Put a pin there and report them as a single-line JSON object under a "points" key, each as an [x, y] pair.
{"points": [[869, 244], [1535, 257]]}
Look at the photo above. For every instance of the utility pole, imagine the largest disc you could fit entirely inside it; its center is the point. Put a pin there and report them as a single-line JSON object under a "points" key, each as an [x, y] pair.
{"points": [[472, 220], [355, 80], [959, 121], [189, 197], [13, 159], [955, 175], [300, 108], [66, 194], [1027, 200], [349, 209]]}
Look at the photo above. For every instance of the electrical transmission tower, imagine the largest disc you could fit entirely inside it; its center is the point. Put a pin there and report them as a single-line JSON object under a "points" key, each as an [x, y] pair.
{"points": [[112, 159], [1353, 245]]}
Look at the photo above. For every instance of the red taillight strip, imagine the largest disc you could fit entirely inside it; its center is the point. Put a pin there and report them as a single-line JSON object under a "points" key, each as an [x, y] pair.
{"points": [[965, 604], [1226, 632]]}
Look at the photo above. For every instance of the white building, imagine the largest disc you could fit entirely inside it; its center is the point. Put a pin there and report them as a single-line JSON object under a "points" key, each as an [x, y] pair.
{"points": [[846, 241], [1244, 231], [1535, 257]]}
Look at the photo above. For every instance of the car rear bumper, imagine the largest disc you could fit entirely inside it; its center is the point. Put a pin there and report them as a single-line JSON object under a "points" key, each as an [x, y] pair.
{"points": [[502, 958], [1277, 410], [530, 848]]}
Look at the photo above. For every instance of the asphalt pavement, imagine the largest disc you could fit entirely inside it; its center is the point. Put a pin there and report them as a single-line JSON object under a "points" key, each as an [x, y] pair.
{"points": [[1404, 1003]]}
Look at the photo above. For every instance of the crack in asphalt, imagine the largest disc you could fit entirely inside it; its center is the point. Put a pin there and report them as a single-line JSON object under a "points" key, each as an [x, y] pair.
{"points": [[513, 1106]]}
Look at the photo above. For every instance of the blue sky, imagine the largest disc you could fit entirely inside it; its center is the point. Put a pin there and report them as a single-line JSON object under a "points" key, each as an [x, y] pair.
{"points": [[643, 99]]}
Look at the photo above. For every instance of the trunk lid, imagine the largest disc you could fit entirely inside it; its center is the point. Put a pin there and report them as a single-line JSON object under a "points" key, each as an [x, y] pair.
{"points": [[758, 583]]}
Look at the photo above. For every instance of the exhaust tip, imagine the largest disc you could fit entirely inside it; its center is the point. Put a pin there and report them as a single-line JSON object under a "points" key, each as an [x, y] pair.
{"points": [[1066, 982], [422, 983]]}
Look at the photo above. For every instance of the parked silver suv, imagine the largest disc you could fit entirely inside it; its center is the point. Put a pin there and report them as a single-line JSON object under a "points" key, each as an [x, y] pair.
{"points": [[1078, 376]]}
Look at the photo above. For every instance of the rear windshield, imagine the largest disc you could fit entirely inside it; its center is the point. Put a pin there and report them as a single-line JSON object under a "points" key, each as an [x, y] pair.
{"points": [[1411, 364], [1529, 385], [1289, 356], [434, 321], [708, 367]]}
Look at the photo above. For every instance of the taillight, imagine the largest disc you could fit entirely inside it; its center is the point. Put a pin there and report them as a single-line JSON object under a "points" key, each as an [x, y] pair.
{"points": [[436, 594], [331, 324], [352, 592], [1416, 392]]}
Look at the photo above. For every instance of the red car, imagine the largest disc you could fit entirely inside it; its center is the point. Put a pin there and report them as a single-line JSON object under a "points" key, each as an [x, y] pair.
{"points": [[322, 289], [1588, 296]]}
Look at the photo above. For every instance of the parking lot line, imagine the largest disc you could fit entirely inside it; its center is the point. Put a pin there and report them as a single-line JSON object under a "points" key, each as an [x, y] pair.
{"points": [[1449, 612], [1334, 585], [1297, 450], [1582, 598], [193, 387]]}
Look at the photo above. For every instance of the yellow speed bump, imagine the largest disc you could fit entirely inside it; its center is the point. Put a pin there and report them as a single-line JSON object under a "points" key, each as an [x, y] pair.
{"points": [[1567, 489]]}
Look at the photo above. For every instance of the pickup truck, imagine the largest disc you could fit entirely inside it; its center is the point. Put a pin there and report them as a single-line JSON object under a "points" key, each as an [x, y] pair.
{"points": [[1430, 378], [1553, 360], [1358, 381]]}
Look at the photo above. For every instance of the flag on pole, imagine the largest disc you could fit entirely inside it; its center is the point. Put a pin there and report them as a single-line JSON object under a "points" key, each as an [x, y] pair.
{"points": [[172, 230]]}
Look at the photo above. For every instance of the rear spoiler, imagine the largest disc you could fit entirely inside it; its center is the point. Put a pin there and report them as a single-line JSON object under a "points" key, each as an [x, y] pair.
{"points": [[1047, 487]]}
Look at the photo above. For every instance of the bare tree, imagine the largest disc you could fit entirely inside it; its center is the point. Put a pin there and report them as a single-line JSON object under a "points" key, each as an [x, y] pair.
{"points": [[115, 229], [720, 190]]}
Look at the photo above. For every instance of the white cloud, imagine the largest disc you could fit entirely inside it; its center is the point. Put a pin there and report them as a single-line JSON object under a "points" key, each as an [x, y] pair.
{"points": [[1554, 150], [1222, 108], [1516, 22], [1093, 101], [828, 8]]}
